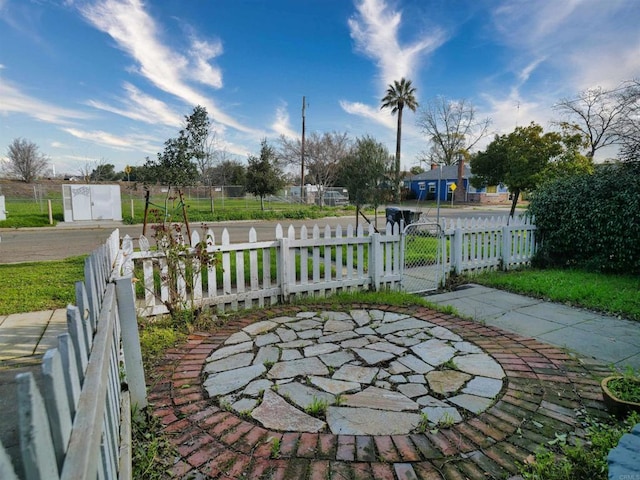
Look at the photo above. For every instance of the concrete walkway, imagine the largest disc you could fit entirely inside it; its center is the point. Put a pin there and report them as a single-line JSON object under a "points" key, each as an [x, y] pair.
{"points": [[612, 340]]}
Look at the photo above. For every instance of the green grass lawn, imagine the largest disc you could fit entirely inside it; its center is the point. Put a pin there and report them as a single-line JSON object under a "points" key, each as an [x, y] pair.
{"points": [[613, 294], [28, 213], [31, 287], [45, 285]]}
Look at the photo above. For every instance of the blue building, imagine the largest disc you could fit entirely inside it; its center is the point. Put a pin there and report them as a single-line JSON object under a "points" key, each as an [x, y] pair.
{"points": [[437, 183]]}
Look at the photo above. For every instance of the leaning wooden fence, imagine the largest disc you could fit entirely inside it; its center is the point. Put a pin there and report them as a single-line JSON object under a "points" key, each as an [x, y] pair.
{"points": [[78, 427]]}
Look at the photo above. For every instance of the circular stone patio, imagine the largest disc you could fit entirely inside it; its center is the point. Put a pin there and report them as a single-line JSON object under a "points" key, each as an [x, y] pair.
{"points": [[362, 372], [396, 393]]}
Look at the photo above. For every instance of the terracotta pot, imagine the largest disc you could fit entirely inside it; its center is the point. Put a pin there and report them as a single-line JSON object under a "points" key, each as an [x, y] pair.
{"points": [[620, 408]]}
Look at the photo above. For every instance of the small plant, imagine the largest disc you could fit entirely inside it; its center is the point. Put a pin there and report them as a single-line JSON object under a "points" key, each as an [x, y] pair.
{"points": [[446, 421], [450, 364], [317, 407], [275, 448], [152, 452], [423, 424], [268, 364], [225, 405], [563, 460], [339, 399], [627, 386]]}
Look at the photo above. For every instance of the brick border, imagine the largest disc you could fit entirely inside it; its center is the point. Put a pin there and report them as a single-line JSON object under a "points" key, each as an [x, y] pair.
{"points": [[546, 391]]}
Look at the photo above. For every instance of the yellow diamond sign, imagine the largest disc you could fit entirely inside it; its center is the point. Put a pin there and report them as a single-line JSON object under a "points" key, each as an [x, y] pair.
{"points": [[452, 187]]}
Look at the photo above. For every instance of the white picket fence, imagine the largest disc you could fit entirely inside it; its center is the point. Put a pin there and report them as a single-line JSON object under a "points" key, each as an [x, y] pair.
{"points": [[314, 263], [476, 244], [319, 262], [79, 426]]}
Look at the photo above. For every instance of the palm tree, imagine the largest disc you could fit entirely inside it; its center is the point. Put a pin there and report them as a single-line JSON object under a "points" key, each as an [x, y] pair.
{"points": [[399, 95]]}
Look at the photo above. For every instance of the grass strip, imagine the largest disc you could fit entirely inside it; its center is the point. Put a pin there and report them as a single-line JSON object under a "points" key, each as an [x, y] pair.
{"points": [[612, 294], [36, 286]]}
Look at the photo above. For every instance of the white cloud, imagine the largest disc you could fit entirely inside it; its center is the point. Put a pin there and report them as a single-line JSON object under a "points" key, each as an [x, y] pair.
{"points": [[575, 38], [136, 33], [142, 107], [383, 117], [120, 142], [282, 124], [12, 100], [375, 31]]}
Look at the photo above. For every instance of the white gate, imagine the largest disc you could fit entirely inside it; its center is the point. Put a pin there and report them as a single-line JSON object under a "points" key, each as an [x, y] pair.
{"points": [[422, 252]]}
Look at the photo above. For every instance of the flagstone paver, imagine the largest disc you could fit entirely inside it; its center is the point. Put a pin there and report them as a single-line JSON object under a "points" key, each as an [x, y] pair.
{"points": [[513, 394]]}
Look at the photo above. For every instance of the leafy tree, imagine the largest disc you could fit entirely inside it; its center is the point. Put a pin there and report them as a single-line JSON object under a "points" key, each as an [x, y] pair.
{"points": [[416, 169], [570, 162], [104, 172], [176, 166], [518, 159], [229, 172], [24, 160], [264, 176], [363, 172], [400, 94], [323, 154]]}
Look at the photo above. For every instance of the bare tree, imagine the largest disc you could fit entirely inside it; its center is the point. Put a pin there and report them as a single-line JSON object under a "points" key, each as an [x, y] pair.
{"points": [[453, 130], [630, 124], [598, 115], [25, 160], [323, 153]]}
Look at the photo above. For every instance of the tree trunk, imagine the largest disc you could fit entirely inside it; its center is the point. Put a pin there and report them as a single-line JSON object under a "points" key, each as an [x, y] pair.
{"points": [[516, 194], [262, 202], [460, 191], [396, 187]]}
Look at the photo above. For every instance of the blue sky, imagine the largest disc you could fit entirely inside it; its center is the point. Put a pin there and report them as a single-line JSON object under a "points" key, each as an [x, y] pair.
{"points": [[111, 80]]}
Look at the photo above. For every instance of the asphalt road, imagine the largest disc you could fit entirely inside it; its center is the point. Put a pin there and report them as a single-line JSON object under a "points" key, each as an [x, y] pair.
{"points": [[55, 243]]}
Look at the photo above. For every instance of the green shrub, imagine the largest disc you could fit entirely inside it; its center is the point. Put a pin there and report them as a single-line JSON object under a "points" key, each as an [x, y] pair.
{"points": [[590, 221]]}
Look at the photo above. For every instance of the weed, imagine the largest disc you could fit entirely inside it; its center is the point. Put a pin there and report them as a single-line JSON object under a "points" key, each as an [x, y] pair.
{"points": [[268, 364], [423, 424], [317, 407], [450, 364], [152, 453], [446, 421], [339, 399], [275, 448], [562, 460]]}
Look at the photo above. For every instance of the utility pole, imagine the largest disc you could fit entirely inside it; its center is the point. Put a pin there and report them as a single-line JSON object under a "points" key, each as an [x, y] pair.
{"points": [[302, 191]]}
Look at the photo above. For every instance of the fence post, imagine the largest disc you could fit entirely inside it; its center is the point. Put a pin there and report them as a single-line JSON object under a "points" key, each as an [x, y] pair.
{"points": [[456, 250], [131, 341], [376, 256], [506, 247]]}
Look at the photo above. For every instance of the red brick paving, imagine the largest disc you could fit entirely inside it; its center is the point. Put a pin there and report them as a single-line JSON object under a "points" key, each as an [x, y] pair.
{"points": [[545, 388]]}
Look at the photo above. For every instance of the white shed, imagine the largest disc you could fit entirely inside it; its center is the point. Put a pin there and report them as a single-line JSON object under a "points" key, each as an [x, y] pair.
{"points": [[91, 202]]}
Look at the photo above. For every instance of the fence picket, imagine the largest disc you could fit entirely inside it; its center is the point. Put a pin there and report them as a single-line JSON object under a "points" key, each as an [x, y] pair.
{"points": [[76, 331], [339, 253], [7, 471], [304, 258], [55, 398], [327, 256], [70, 366], [38, 453]]}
